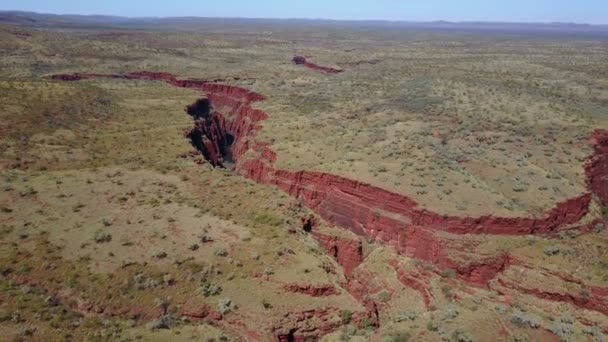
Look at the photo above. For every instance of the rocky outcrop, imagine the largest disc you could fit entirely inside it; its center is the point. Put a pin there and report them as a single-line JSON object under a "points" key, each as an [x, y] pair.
{"points": [[347, 252], [417, 281], [423, 244], [588, 297], [301, 60], [200, 311], [312, 324], [372, 211], [312, 290]]}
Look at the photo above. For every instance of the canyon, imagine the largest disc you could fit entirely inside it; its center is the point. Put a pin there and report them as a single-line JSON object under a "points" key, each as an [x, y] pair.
{"points": [[301, 180], [225, 126], [362, 208]]}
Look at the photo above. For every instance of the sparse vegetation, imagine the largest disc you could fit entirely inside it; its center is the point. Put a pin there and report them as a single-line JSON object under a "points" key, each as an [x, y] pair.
{"points": [[526, 320], [112, 229]]}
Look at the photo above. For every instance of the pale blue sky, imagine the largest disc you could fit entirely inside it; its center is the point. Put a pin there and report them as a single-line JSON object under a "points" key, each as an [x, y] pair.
{"points": [[581, 11]]}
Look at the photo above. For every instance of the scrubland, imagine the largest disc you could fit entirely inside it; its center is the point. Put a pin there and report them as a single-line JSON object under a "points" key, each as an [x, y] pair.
{"points": [[112, 229]]}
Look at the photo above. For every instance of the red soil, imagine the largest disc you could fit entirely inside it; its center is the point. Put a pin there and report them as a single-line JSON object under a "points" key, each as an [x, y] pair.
{"points": [[300, 60]]}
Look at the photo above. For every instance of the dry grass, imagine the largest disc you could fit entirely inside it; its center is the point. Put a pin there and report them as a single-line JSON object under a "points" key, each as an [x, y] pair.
{"points": [[97, 202]]}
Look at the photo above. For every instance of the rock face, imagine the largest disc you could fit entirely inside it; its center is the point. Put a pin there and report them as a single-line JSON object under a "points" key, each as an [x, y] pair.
{"points": [[209, 134], [578, 293], [372, 211], [347, 252], [423, 244], [309, 325], [300, 60], [596, 167]]}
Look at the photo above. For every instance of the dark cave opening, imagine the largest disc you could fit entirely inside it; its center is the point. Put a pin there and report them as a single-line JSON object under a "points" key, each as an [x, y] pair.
{"points": [[289, 337], [209, 136], [226, 151], [199, 109], [308, 224]]}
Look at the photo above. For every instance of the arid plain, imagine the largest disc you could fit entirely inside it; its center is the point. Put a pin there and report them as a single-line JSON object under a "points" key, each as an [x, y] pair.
{"points": [[275, 180]]}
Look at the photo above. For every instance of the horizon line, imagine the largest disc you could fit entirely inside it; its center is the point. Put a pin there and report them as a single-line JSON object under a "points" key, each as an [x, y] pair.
{"points": [[472, 21]]}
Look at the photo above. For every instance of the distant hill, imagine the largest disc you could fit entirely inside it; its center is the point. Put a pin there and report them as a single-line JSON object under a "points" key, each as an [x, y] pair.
{"points": [[43, 20]]}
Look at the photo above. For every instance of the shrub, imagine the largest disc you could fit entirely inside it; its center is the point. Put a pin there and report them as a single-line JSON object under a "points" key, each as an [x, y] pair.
{"points": [[222, 252], [460, 336], [205, 237], [164, 322], [101, 236], [208, 289], [551, 250], [384, 296], [448, 273], [283, 250], [399, 336], [225, 306], [450, 313], [346, 316], [160, 255], [447, 291], [563, 330], [522, 319]]}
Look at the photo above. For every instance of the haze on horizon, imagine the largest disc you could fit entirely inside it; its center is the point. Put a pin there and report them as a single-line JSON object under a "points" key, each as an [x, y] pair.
{"points": [[566, 11]]}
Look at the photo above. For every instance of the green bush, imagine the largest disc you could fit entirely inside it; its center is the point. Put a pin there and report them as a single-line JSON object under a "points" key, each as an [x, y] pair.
{"points": [[346, 316]]}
